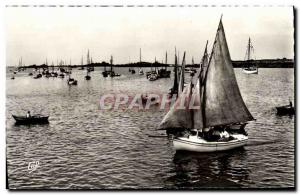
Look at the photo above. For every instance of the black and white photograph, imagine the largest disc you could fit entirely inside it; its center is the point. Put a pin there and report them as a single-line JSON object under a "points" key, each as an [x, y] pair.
{"points": [[150, 97]]}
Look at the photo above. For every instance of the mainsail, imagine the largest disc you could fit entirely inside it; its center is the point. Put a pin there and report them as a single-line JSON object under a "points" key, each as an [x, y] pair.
{"points": [[220, 102]]}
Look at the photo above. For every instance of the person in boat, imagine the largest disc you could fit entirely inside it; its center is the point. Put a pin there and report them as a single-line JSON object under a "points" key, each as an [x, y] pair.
{"points": [[28, 115]]}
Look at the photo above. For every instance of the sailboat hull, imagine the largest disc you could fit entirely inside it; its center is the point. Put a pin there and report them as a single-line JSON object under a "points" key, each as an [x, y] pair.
{"points": [[255, 71], [186, 144]]}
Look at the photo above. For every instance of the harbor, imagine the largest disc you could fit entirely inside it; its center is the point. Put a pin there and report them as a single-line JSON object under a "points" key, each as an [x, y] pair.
{"points": [[81, 140], [166, 119]]}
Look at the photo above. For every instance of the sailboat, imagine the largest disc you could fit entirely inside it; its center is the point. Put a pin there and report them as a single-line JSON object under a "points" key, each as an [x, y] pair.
{"points": [[174, 89], [71, 81], [164, 72], [250, 68], [141, 72], [87, 76], [153, 74], [217, 117], [112, 72]]}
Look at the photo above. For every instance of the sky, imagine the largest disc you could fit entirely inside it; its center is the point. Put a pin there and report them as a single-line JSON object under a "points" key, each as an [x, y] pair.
{"points": [[66, 33]]}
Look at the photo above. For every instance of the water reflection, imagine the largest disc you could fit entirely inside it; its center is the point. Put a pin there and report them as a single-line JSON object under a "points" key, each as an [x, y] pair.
{"points": [[209, 170]]}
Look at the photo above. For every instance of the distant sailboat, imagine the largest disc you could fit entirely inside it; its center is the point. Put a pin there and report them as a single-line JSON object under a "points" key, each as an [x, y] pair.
{"points": [[87, 76], [251, 67], [218, 115], [153, 74], [141, 72], [164, 72], [71, 81], [112, 72], [174, 89]]}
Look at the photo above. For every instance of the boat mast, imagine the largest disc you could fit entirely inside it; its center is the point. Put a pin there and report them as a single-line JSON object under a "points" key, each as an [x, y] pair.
{"points": [[140, 55], [249, 48], [175, 86], [111, 63], [88, 57], [166, 62]]}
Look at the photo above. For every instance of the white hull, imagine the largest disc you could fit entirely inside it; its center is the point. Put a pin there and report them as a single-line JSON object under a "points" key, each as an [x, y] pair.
{"points": [[250, 71], [200, 145]]}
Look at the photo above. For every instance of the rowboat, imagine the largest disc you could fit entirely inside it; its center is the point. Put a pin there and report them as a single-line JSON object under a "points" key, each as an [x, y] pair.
{"points": [[36, 119], [285, 110]]}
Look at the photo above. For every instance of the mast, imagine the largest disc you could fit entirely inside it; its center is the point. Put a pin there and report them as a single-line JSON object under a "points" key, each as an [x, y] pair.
{"points": [[249, 48], [175, 85], [166, 62], [155, 63], [140, 55], [111, 63], [88, 57]]}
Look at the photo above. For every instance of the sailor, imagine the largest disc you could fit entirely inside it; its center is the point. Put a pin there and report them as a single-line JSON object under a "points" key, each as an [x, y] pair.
{"points": [[28, 114]]}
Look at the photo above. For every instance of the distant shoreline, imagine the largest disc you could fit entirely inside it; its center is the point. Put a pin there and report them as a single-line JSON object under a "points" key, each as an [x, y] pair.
{"points": [[266, 63]]}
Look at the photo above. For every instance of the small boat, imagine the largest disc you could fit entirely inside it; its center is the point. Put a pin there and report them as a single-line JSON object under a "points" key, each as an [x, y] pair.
{"points": [[141, 72], [38, 76], [72, 82], [61, 75], [36, 119], [54, 74], [30, 74], [216, 119], [12, 77], [87, 77], [251, 67], [132, 71], [105, 73], [286, 110], [152, 77]]}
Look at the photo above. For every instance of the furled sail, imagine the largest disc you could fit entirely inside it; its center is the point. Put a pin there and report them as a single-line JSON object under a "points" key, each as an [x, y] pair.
{"points": [[181, 80], [223, 103], [203, 66]]}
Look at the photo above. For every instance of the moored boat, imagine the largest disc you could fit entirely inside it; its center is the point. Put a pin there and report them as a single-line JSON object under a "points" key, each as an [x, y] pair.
{"points": [[251, 67]]}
